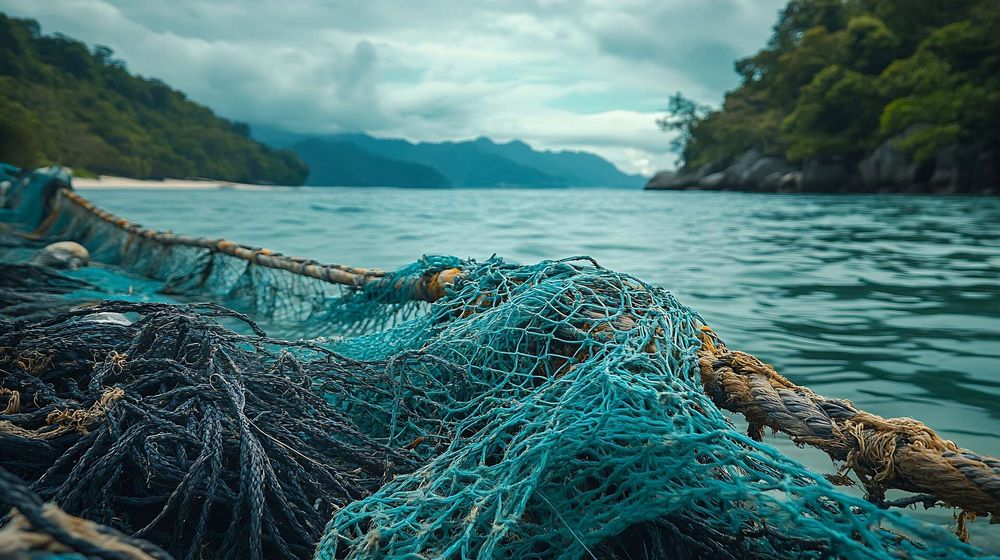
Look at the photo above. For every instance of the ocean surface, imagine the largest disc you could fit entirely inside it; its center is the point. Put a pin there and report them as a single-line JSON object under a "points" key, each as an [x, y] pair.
{"points": [[892, 302]]}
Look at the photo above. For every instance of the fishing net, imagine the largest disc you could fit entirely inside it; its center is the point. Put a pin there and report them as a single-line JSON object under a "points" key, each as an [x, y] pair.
{"points": [[181, 431], [463, 410], [579, 420], [302, 298]]}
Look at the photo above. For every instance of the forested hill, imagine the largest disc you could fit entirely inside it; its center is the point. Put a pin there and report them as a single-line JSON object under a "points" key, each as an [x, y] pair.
{"points": [[362, 159], [61, 102], [856, 95]]}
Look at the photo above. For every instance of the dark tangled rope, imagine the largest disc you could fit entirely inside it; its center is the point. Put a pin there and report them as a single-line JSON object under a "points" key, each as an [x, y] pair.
{"points": [[178, 430]]}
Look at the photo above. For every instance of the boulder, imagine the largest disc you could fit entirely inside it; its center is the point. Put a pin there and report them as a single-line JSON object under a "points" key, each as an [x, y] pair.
{"points": [[709, 168], [945, 179], [790, 182], [737, 173], [771, 182], [713, 181], [965, 169], [887, 168], [984, 178], [763, 168], [662, 180], [824, 176]]}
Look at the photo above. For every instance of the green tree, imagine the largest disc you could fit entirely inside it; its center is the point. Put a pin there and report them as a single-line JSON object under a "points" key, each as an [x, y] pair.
{"points": [[837, 115], [871, 46], [682, 115]]}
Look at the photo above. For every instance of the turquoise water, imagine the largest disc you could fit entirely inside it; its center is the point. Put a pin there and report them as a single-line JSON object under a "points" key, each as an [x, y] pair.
{"points": [[892, 302]]}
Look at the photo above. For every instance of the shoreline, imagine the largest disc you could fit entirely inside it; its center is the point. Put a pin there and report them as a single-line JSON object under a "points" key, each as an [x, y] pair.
{"points": [[113, 182]]}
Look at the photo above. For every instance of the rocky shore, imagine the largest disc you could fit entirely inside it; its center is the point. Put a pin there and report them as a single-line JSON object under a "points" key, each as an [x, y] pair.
{"points": [[970, 169]]}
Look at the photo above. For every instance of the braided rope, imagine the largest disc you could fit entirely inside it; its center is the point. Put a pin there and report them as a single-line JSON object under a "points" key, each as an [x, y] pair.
{"points": [[900, 453], [335, 273]]}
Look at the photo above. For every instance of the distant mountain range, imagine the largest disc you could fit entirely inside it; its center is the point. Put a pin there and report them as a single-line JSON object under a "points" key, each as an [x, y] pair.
{"points": [[359, 159]]}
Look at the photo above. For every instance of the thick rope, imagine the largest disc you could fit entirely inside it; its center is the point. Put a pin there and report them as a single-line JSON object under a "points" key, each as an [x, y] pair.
{"points": [[884, 453], [428, 288]]}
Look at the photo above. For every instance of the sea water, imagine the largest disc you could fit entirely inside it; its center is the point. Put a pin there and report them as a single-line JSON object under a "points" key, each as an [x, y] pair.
{"points": [[892, 302]]}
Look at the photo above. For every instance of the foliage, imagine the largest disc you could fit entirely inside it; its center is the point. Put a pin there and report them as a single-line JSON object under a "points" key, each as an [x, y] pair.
{"points": [[62, 103], [837, 113], [682, 115], [840, 76]]}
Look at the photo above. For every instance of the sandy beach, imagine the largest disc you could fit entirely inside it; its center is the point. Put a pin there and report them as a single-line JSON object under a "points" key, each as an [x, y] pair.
{"points": [[112, 182]]}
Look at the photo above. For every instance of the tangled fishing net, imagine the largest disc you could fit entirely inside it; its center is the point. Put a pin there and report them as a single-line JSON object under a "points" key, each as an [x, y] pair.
{"points": [[181, 431], [451, 409]]}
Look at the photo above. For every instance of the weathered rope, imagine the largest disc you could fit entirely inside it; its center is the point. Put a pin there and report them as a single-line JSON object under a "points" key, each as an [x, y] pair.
{"points": [[427, 288], [884, 453], [60, 422], [336, 273]]}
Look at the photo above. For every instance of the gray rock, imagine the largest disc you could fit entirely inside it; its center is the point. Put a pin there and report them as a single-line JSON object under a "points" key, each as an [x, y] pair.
{"points": [[64, 254], [790, 182], [737, 173], [662, 180], [714, 181], [824, 176], [945, 179], [886, 168], [763, 168], [984, 178], [708, 169], [771, 182]]}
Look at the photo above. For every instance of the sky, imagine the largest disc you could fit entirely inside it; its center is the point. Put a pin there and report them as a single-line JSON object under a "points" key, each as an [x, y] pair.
{"points": [[559, 74]]}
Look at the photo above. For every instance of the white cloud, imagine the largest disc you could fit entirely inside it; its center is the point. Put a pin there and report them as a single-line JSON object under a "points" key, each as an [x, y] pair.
{"points": [[434, 69]]}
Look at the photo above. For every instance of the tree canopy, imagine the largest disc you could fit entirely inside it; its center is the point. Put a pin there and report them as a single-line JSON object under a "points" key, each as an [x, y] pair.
{"points": [[61, 102], [838, 77]]}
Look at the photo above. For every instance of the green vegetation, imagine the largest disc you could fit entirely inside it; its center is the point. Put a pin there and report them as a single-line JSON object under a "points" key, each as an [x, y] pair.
{"points": [[62, 103], [838, 77]]}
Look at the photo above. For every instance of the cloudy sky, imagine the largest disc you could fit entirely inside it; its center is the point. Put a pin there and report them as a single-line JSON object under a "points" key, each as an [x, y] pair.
{"points": [[573, 74]]}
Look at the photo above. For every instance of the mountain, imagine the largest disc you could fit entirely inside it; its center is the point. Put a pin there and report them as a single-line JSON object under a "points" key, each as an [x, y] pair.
{"points": [[578, 169], [335, 163], [61, 102], [473, 163], [463, 163]]}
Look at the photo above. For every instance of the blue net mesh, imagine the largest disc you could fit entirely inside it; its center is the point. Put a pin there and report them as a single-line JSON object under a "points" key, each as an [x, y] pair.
{"points": [[570, 422]]}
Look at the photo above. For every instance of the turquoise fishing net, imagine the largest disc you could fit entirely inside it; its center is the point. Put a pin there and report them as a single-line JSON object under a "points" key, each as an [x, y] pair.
{"points": [[555, 411], [570, 422]]}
